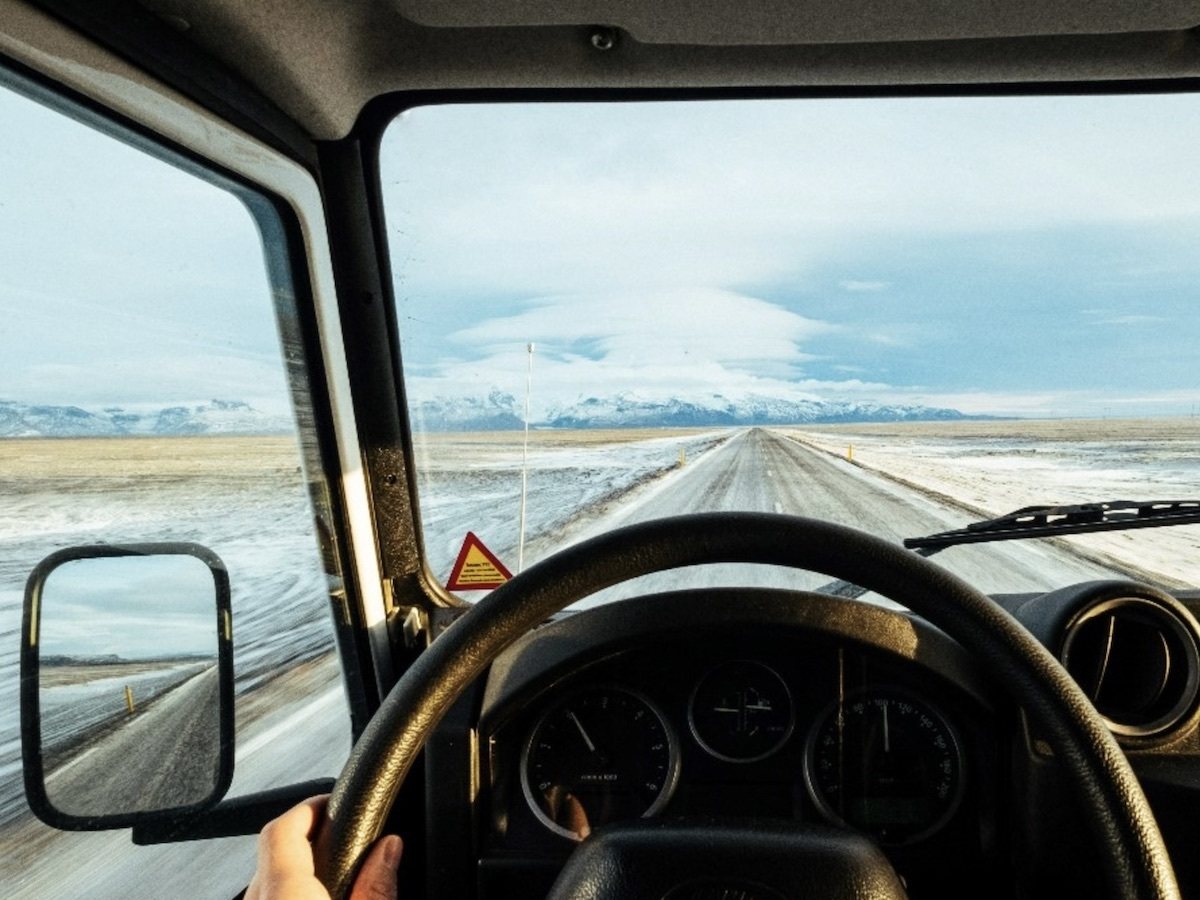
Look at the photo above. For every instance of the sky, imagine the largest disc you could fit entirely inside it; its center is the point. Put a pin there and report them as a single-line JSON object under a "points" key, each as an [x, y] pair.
{"points": [[1019, 256], [1012, 256], [124, 281], [135, 607]]}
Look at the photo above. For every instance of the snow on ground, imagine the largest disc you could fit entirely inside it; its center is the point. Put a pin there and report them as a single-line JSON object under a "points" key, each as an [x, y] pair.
{"points": [[472, 482], [243, 497], [992, 468]]}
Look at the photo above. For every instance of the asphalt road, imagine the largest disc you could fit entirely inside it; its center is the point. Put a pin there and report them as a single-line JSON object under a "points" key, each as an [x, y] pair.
{"points": [[764, 471], [163, 757], [303, 734]]}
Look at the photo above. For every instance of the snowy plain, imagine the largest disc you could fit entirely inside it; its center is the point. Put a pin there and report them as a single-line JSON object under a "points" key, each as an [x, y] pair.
{"points": [[993, 468], [246, 499], [472, 482]]}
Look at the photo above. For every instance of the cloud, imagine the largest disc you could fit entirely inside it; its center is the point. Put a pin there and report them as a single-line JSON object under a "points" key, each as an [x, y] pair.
{"points": [[1130, 320], [557, 198], [651, 344], [862, 287], [125, 279], [1061, 403], [640, 327]]}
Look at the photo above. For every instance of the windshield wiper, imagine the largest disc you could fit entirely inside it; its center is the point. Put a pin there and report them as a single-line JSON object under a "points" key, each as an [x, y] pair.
{"points": [[1049, 521], [1046, 521]]}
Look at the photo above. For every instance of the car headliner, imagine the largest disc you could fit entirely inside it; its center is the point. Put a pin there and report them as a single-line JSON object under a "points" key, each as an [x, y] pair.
{"points": [[322, 62]]}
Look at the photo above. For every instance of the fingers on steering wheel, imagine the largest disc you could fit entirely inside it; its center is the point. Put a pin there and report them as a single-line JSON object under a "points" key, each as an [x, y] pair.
{"points": [[285, 852], [284, 842], [377, 878]]}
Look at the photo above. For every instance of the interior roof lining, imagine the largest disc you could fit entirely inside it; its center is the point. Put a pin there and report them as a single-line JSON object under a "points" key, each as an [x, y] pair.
{"points": [[323, 64], [777, 22]]}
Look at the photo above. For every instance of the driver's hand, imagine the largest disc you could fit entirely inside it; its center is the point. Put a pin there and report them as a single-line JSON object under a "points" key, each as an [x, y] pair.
{"points": [[285, 860]]}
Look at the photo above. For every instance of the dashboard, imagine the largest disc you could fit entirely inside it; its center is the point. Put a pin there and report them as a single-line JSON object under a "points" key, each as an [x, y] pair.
{"points": [[732, 706], [728, 706]]}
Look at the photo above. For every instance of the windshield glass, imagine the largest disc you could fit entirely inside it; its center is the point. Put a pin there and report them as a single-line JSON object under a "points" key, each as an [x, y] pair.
{"points": [[902, 315]]}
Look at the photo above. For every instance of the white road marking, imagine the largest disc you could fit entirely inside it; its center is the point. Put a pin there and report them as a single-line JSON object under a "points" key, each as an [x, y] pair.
{"points": [[778, 507]]}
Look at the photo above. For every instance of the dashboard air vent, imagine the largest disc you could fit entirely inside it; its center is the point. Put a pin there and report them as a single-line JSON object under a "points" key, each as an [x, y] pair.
{"points": [[1137, 660]]}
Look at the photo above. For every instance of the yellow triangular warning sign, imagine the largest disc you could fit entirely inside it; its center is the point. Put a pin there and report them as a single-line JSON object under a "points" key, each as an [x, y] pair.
{"points": [[477, 568]]}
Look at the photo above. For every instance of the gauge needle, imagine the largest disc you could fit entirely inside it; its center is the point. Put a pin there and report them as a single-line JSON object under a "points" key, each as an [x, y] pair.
{"points": [[582, 733], [887, 736]]}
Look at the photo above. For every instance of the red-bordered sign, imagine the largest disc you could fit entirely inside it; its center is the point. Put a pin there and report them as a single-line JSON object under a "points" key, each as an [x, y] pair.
{"points": [[477, 568]]}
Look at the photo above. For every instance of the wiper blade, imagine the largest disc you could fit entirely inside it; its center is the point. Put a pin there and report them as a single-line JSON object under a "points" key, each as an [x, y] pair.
{"points": [[1049, 521]]}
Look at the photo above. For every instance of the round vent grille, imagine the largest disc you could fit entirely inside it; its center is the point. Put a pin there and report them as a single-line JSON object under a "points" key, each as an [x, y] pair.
{"points": [[1137, 661]]}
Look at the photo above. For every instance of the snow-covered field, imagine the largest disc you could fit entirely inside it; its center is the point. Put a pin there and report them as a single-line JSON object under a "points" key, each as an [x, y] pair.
{"points": [[472, 482], [995, 467], [245, 498]]}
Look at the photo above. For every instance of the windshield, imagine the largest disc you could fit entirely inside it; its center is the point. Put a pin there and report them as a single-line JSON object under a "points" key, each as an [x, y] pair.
{"points": [[902, 315]]}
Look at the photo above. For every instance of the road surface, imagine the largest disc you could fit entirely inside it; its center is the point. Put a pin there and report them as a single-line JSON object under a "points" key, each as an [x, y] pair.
{"points": [[165, 756], [303, 733], [763, 471]]}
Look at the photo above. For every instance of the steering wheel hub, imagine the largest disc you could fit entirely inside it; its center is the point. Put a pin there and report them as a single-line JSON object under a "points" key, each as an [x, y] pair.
{"points": [[692, 861]]}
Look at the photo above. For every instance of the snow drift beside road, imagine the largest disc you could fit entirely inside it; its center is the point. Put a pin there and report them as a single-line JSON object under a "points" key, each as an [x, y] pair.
{"points": [[998, 467]]}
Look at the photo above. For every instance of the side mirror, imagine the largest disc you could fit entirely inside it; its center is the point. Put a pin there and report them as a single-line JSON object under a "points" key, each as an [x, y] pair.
{"points": [[126, 685]]}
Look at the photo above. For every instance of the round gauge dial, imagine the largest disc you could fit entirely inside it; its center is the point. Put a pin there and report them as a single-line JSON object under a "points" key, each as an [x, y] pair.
{"points": [[741, 711], [886, 763], [601, 755]]}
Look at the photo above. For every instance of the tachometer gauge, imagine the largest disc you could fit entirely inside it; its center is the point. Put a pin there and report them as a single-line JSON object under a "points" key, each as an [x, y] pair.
{"points": [[599, 756], [886, 763], [741, 711]]}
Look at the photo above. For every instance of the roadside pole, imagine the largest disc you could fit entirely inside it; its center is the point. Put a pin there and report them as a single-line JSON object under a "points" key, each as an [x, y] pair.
{"points": [[525, 458]]}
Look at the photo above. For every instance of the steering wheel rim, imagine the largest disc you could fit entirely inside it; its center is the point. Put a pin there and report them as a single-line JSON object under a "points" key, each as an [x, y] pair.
{"points": [[1116, 809]]}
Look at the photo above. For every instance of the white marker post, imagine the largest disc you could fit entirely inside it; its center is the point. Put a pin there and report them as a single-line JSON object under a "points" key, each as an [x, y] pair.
{"points": [[525, 458]]}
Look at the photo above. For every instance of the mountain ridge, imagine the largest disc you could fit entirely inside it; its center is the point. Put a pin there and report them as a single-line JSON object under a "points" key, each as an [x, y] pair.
{"points": [[230, 417], [500, 411], [497, 411]]}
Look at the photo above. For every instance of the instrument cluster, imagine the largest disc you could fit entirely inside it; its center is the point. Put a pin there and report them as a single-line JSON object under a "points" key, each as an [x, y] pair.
{"points": [[816, 730]]}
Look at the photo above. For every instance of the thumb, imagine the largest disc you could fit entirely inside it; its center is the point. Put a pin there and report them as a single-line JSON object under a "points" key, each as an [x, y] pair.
{"points": [[377, 878]]}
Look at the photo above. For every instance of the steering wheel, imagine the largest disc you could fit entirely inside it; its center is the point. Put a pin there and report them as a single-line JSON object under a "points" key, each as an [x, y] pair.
{"points": [[1122, 825]]}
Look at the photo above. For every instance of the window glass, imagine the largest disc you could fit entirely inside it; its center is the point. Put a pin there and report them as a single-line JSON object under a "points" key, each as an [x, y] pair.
{"points": [[144, 398], [898, 314]]}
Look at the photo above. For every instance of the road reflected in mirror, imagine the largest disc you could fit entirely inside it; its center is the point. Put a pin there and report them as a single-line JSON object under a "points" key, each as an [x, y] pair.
{"points": [[129, 685]]}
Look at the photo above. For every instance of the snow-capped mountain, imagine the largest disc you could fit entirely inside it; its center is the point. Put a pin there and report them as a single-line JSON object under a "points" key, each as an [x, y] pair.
{"points": [[218, 417], [500, 411], [213, 417], [624, 411]]}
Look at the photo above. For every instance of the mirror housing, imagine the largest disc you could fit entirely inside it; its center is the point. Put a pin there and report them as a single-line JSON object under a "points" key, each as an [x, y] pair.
{"points": [[126, 685]]}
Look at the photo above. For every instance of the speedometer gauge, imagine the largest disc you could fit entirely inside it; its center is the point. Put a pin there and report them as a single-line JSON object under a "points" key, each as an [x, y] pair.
{"points": [[601, 755], [886, 763]]}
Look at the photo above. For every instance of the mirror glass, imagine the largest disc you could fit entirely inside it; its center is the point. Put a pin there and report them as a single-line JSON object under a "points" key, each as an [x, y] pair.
{"points": [[128, 686]]}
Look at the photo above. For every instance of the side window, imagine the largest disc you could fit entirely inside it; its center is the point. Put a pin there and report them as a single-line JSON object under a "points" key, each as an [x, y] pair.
{"points": [[146, 395]]}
